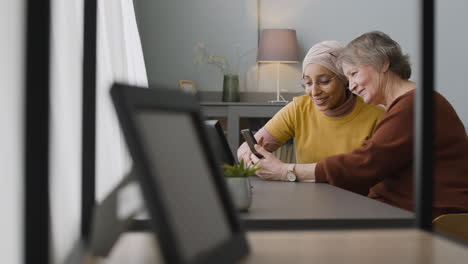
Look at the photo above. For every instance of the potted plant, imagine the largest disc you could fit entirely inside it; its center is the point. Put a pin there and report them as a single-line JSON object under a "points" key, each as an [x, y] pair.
{"points": [[237, 178]]}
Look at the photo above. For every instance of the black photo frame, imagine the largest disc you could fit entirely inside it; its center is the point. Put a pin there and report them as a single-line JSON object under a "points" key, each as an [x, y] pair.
{"points": [[36, 219], [128, 100]]}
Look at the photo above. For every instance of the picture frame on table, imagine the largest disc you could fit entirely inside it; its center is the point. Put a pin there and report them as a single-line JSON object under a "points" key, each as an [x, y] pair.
{"points": [[187, 86]]}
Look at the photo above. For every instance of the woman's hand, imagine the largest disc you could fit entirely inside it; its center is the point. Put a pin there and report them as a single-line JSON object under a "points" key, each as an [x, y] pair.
{"points": [[243, 153], [268, 142], [272, 168]]}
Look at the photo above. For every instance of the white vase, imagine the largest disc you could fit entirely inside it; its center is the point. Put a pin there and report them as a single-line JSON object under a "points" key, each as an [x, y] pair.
{"points": [[241, 192]]}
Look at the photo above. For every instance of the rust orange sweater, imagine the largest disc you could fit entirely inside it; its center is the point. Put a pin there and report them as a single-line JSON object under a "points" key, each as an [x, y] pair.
{"points": [[383, 167]]}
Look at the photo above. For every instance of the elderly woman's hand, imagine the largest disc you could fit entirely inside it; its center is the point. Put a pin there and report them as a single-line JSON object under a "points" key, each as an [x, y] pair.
{"points": [[272, 168], [243, 153]]}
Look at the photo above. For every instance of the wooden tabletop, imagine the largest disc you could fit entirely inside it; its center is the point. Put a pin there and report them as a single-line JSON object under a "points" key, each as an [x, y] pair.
{"points": [[294, 205], [345, 246]]}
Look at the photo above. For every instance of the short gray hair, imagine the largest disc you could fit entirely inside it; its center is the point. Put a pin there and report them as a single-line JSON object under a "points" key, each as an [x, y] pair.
{"points": [[374, 49]]}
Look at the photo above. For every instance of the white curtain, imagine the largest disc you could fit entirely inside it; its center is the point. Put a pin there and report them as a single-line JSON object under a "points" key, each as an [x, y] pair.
{"points": [[65, 125], [12, 52], [119, 58]]}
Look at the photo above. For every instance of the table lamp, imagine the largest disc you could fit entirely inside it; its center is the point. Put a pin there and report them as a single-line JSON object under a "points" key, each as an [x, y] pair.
{"points": [[278, 46]]}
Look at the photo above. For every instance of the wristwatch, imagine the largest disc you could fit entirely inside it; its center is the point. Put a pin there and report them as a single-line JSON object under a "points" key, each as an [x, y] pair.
{"points": [[290, 174]]}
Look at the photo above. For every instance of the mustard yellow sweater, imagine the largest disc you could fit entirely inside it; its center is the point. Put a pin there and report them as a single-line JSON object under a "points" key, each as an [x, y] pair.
{"points": [[316, 135]]}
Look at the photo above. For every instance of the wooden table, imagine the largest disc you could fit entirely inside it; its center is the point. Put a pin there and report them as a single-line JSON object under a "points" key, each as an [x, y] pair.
{"points": [[338, 246], [293, 205]]}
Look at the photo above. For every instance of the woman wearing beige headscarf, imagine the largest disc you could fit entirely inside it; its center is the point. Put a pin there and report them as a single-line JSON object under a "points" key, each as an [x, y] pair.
{"points": [[327, 120]]}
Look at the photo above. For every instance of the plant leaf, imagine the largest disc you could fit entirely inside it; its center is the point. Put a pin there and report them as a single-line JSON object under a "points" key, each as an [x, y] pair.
{"points": [[239, 170]]}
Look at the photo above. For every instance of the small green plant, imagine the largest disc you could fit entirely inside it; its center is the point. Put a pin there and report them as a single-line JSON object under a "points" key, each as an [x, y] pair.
{"points": [[239, 170]]}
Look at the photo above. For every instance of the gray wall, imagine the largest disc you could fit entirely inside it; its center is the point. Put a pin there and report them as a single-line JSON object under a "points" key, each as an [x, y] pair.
{"points": [[319, 20], [452, 54], [344, 20], [170, 30], [12, 51]]}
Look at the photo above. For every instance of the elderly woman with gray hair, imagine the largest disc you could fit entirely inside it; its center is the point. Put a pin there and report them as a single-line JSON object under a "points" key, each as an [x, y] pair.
{"points": [[327, 120], [379, 72]]}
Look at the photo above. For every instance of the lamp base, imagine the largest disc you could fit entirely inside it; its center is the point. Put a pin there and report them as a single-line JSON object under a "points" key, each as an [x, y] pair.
{"points": [[277, 101]]}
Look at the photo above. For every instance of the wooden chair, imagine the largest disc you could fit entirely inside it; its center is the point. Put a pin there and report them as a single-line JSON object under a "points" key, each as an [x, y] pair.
{"points": [[455, 225]]}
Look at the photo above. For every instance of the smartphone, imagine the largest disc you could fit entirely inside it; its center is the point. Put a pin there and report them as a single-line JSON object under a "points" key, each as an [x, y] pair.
{"points": [[251, 141]]}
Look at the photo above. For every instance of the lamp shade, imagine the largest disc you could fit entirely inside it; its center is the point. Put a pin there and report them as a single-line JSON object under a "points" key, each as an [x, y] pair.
{"points": [[278, 45]]}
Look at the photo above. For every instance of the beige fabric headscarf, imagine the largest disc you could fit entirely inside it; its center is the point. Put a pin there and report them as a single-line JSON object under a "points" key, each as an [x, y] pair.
{"points": [[325, 54]]}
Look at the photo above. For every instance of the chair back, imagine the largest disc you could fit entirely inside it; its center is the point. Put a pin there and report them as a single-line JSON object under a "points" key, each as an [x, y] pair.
{"points": [[455, 225]]}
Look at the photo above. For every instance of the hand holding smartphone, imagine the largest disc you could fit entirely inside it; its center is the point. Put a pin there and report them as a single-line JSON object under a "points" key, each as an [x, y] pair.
{"points": [[251, 141]]}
